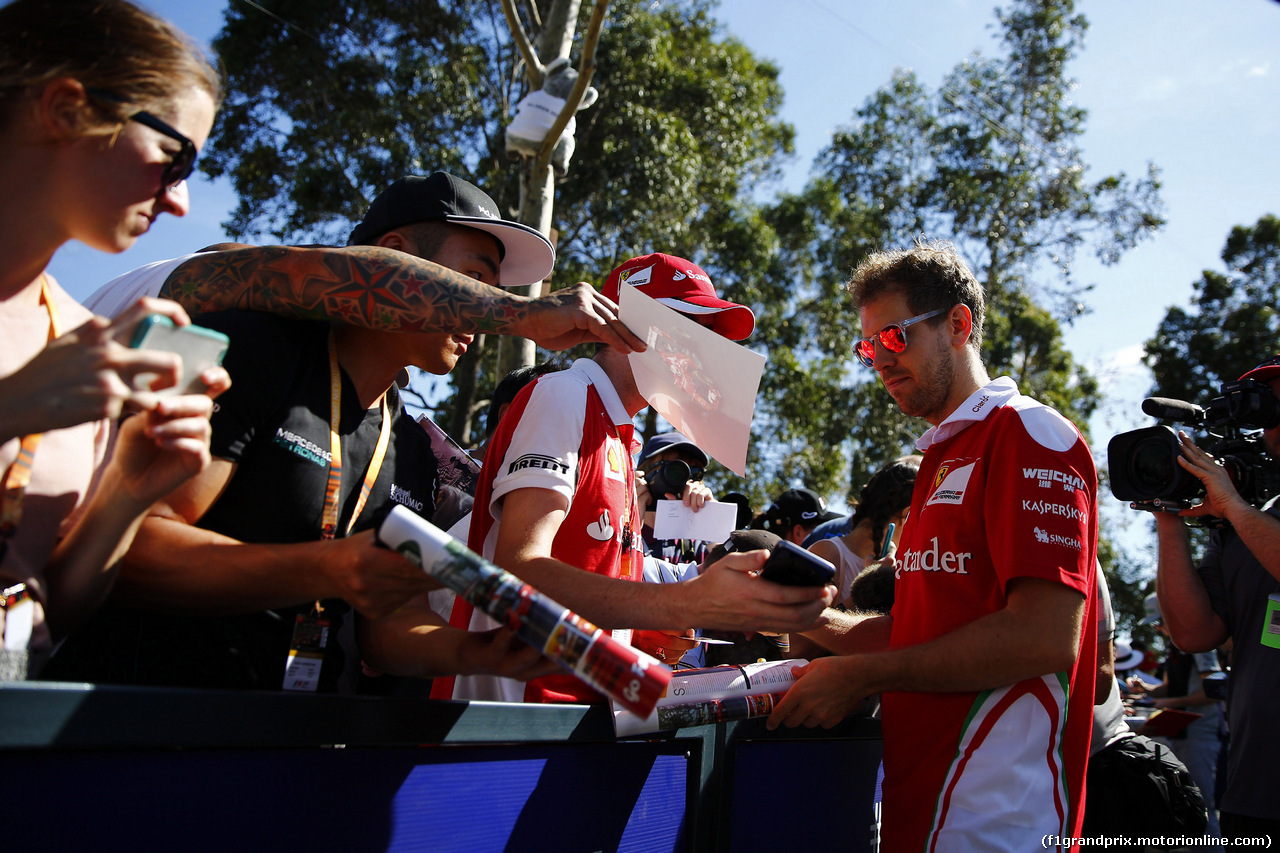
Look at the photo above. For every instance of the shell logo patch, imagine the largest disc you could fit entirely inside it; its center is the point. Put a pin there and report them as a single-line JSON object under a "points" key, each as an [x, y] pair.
{"points": [[615, 468]]}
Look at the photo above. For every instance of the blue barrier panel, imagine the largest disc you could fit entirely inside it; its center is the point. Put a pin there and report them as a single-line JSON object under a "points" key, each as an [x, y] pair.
{"points": [[492, 798], [804, 795], [136, 769]]}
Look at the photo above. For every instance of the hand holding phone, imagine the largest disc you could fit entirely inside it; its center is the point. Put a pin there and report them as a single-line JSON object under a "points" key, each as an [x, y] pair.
{"points": [[888, 542], [791, 565], [199, 348]]}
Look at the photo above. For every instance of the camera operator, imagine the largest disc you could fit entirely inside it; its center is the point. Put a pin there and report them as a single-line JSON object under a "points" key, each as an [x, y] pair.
{"points": [[1234, 593]]}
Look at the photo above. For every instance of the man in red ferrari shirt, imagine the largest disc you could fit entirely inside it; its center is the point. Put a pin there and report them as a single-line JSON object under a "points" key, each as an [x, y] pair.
{"points": [[985, 673]]}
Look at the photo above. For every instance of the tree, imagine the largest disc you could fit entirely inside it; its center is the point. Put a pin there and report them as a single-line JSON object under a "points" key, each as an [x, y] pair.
{"points": [[305, 156], [990, 161], [661, 164], [1231, 324]]}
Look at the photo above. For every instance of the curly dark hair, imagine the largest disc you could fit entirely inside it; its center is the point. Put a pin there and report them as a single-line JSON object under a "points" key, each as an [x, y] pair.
{"points": [[931, 275]]}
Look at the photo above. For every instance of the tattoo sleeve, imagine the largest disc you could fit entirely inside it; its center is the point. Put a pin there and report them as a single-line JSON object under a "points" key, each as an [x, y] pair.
{"points": [[365, 286]]}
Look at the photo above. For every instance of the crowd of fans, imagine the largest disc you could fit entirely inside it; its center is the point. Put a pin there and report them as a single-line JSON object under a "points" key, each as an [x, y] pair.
{"points": [[155, 538]]}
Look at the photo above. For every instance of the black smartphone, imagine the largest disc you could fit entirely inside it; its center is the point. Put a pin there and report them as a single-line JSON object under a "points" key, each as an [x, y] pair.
{"points": [[791, 565]]}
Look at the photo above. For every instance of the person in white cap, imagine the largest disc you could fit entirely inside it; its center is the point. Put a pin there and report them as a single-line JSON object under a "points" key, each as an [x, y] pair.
{"points": [[557, 504]]}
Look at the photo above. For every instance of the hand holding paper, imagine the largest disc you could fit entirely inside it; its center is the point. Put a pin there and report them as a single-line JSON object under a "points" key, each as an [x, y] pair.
{"points": [[712, 523]]}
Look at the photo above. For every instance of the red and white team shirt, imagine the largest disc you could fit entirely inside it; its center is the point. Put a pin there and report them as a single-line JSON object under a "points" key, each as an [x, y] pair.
{"points": [[1007, 489], [567, 432]]}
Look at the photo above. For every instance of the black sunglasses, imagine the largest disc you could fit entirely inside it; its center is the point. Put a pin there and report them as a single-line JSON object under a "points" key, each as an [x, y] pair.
{"points": [[179, 168], [892, 337]]}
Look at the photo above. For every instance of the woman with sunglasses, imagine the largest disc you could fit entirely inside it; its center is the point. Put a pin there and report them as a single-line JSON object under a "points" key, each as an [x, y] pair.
{"points": [[102, 110]]}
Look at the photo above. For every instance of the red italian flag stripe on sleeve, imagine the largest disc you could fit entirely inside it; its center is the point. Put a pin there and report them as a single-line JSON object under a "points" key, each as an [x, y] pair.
{"points": [[1017, 774]]}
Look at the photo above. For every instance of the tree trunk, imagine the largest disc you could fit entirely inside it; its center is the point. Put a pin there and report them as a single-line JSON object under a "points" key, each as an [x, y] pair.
{"points": [[461, 424], [537, 188]]}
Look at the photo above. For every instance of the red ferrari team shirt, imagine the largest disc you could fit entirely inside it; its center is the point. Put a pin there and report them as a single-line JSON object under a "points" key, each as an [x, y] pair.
{"points": [[567, 432], [1007, 490]]}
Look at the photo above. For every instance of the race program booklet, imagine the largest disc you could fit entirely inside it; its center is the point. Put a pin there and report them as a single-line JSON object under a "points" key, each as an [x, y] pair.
{"points": [[713, 694], [629, 677]]}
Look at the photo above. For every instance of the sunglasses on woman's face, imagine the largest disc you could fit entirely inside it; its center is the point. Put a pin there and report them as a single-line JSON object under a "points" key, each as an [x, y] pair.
{"points": [[180, 166], [892, 337]]}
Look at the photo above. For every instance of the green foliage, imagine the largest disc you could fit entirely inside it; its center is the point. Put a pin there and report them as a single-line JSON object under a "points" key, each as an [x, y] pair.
{"points": [[686, 125], [327, 110], [329, 107], [330, 101], [1231, 324], [989, 161]]}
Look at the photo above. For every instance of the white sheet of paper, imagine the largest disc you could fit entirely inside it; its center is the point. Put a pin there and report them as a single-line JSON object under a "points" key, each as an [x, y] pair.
{"points": [[703, 384], [713, 523]]}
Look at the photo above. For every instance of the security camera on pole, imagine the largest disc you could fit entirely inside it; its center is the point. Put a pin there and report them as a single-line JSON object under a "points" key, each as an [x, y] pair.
{"points": [[541, 132]]}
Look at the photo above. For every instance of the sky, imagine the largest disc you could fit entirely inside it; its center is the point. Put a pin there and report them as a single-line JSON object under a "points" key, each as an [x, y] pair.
{"points": [[1190, 85]]}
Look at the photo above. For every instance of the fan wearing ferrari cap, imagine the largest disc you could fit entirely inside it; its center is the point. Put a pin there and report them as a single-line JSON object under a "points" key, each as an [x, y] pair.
{"points": [[557, 503], [257, 565], [1235, 594]]}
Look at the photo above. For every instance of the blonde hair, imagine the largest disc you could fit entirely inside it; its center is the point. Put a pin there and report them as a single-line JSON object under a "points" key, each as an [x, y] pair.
{"points": [[108, 45]]}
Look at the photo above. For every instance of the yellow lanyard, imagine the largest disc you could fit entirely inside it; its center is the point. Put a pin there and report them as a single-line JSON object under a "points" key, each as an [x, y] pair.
{"points": [[18, 477], [333, 488]]}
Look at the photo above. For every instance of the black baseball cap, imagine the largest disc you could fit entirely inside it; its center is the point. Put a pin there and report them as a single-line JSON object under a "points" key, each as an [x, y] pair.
{"points": [[743, 540], [801, 506], [672, 441], [526, 256]]}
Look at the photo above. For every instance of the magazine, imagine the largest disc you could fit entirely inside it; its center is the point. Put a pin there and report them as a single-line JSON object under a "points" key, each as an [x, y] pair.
{"points": [[713, 694], [627, 676], [1167, 722]]}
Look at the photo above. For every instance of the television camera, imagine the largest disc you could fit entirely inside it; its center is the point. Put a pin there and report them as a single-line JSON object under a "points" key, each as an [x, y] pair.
{"points": [[1143, 464]]}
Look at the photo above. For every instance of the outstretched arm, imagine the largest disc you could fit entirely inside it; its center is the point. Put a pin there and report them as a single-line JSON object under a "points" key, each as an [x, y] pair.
{"points": [[1039, 625], [385, 289], [1184, 602], [176, 565], [726, 596], [414, 641]]}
